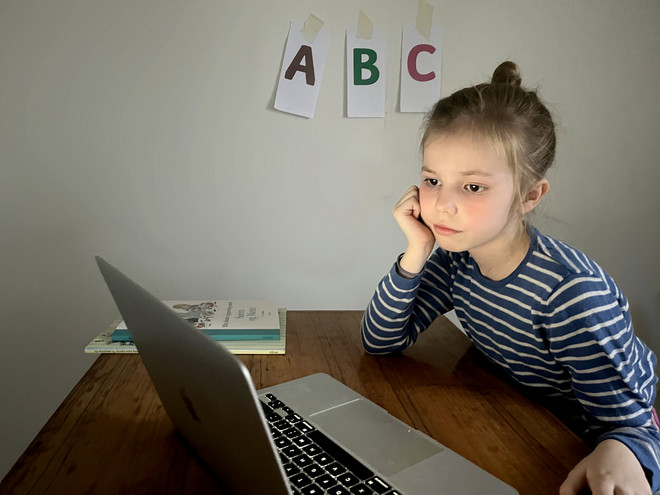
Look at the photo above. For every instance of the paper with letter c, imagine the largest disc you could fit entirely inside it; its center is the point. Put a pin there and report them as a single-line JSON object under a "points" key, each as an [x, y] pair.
{"points": [[302, 70], [421, 67]]}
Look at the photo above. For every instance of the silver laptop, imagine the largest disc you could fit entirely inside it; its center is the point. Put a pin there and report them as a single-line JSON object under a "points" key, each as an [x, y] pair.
{"points": [[308, 436]]}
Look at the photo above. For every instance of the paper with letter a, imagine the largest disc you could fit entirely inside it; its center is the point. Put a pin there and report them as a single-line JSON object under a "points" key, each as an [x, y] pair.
{"points": [[302, 69]]}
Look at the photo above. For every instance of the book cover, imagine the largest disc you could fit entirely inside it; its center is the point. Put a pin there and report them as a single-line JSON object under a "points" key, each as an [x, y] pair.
{"points": [[103, 343], [234, 320]]}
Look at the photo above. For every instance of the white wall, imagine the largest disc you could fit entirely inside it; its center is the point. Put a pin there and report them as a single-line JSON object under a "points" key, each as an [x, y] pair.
{"points": [[144, 131]]}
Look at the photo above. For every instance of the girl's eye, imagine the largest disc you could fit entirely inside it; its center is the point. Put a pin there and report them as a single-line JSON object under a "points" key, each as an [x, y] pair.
{"points": [[475, 188], [432, 182]]}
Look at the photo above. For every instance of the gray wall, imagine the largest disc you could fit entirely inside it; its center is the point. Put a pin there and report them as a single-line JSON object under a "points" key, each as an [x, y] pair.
{"points": [[144, 131]]}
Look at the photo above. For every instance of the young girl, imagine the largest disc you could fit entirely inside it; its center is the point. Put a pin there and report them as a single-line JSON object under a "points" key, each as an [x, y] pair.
{"points": [[543, 311]]}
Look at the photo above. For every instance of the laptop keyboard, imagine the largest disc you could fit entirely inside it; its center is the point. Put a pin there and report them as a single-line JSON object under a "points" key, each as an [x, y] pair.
{"points": [[314, 463]]}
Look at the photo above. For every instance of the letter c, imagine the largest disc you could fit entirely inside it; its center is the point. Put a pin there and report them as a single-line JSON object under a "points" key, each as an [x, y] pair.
{"points": [[412, 62]]}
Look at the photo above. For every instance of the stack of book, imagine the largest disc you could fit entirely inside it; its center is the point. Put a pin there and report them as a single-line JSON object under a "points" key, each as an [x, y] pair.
{"points": [[242, 326]]}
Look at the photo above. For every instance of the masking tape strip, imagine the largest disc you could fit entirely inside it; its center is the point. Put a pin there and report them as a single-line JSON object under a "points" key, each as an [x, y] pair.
{"points": [[424, 18], [365, 28], [311, 28]]}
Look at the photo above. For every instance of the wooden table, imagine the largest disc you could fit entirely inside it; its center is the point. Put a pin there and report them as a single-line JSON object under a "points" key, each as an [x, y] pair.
{"points": [[111, 434]]}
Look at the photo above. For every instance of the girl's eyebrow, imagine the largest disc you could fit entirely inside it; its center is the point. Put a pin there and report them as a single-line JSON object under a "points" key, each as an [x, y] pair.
{"points": [[466, 173], [477, 172]]}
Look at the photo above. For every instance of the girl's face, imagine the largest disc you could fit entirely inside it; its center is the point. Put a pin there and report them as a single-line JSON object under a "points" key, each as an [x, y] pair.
{"points": [[466, 195]]}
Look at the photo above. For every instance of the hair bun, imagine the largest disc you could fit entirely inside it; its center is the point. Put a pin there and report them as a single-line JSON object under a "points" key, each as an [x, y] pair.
{"points": [[507, 73]]}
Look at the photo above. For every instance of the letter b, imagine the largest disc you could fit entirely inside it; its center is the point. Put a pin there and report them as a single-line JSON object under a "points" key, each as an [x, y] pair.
{"points": [[368, 64]]}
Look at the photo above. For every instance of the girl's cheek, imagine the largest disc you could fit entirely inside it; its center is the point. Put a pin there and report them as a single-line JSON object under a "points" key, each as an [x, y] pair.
{"points": [[423, 200]]}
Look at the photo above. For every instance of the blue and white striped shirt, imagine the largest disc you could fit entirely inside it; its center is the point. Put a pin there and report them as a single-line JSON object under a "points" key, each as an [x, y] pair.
{"points": [[558, 324]]}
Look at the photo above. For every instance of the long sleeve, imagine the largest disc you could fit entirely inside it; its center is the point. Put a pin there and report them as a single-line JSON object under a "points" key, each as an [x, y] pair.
{"points": [[558, 325], [590, 334], [402, 308]]}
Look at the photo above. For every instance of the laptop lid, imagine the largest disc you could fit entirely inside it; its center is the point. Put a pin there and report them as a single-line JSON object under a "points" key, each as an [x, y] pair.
{"points": [[207, 392]]}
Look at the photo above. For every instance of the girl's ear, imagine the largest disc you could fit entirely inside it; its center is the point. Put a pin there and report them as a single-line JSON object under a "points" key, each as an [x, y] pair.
{"points": [[534, 196]]}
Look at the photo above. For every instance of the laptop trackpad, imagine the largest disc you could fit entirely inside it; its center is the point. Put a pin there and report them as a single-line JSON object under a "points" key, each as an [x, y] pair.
{"points": [[375, 436]]}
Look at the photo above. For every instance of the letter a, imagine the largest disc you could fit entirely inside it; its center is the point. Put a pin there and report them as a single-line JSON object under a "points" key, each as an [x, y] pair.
{"points": [[305, 52]]}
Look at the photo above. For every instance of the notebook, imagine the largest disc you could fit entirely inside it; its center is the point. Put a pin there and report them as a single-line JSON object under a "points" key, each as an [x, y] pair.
{"points": [[307, 436]]}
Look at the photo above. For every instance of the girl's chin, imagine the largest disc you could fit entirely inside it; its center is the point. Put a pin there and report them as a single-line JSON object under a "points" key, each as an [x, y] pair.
{"points": [[448, 245]]}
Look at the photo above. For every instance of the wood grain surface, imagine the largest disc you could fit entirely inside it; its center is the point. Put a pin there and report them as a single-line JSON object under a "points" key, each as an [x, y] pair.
{"points": [[111, 434]]}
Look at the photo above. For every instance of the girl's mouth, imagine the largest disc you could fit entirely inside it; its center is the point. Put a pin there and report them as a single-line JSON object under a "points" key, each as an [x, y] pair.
{"points": [[444, 231]]}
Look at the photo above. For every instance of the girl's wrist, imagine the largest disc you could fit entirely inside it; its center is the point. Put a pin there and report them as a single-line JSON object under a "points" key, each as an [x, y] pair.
{"points": [[404, 273], [412, 261]]}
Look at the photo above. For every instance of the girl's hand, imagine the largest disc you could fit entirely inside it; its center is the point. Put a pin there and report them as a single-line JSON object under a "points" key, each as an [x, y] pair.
{"points": [[611, 469], [420, 238]]}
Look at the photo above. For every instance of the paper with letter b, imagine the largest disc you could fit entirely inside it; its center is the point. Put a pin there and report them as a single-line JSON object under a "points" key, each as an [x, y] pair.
{"points": [[366, 60], [421, 66], [302, 70]]}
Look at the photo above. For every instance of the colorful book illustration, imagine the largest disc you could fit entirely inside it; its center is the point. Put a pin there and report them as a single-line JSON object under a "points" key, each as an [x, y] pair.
{"points": [[223, 320], [103, 343]]}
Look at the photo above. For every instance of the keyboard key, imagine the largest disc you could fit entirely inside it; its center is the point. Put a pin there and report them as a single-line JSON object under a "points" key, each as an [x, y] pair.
{"points": [[290, 469], [292, 432], [282, 442], [322, 459], [281, 424], [304, 426], [276, 404], [343, 457], [348, 479], [291, 451], [335, 469], [313, 471], [338, 490], [311, 490], [293, 418], [302, 460], [378, 485], [299, 480], [312, 450], [325, 481], [302, 441], [362, 489]]}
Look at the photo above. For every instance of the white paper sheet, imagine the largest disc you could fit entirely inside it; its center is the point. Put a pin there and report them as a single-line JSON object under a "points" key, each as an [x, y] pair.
{"points": [[302, 71], [421, 68], [366, 85]]}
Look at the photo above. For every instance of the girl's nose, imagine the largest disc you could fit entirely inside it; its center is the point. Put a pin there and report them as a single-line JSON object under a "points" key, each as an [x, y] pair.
{"points": [[445, 202]]}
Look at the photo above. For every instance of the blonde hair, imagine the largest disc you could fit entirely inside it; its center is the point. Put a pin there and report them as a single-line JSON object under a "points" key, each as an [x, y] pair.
{"points": [[507, 115]]}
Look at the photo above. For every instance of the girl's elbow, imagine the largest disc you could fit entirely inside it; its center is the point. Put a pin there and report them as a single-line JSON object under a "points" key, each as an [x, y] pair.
{"points": [[368, 348], [372, 349], [376, 350]]}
